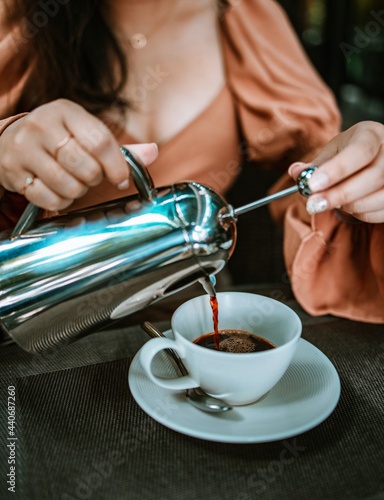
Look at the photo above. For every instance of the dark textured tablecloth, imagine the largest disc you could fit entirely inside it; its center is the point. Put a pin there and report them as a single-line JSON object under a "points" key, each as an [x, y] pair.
{"points": [[81, 435]]}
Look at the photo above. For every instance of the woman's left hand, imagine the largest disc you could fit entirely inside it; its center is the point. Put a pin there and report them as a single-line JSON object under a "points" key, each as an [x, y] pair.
{"points": [[351, 174]]}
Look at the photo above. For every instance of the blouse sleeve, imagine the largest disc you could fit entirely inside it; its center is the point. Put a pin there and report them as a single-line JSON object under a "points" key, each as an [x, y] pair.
{"points": [[14, 70], [283, 105], [335, 266]]}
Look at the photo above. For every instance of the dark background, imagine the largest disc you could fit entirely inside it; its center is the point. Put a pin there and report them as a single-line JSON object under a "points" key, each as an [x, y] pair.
{"points": [[345, 41]]}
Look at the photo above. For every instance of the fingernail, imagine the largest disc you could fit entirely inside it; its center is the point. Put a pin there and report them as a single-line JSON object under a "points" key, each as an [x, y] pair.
{"points": [[316, 205], [297, 165], [318, 181], [123, 185], [153, 144]]}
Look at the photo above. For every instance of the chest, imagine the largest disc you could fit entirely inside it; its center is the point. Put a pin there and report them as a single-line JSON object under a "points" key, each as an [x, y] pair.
{"points": [[174, 79]]}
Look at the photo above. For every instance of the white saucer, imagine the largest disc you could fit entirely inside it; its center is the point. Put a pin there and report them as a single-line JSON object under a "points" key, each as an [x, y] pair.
{"points": [[305, 396]]}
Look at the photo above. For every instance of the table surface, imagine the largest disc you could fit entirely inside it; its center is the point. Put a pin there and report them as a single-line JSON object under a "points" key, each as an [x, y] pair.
{"points": [[80, 434]]}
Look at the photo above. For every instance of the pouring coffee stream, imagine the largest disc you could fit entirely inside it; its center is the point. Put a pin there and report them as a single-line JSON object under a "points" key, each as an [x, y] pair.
{"points": [[75, 273]]}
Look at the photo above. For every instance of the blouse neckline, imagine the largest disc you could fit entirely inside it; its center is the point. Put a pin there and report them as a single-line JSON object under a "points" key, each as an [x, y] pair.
{"points": [[128, 138]]}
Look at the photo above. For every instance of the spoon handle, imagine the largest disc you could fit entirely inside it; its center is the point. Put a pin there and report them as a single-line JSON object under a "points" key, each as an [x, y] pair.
{"points": [[156, 333], [197, 397]]}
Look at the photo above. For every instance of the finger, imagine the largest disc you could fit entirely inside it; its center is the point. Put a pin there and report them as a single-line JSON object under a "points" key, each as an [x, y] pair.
{"points": [[372, 202], [296, 168], [353, 157], [42, 196], [79, 163], [327, 153], [371, 217], [90, 132], [145, 153], [57, 178], [364, 133], [369, 203], [95, 138], [331, 149], [355, 187], [58, 141]]}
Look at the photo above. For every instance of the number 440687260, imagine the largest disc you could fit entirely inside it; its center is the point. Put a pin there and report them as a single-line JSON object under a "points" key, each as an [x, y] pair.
{"points": [[11, 410]]}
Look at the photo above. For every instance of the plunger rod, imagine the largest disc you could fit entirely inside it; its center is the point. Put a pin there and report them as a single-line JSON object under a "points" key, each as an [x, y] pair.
{"points": [[265, 201]]}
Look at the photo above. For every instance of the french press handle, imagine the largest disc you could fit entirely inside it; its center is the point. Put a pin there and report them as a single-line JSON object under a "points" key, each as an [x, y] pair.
{"points": [[140, 175], [141, 179]]}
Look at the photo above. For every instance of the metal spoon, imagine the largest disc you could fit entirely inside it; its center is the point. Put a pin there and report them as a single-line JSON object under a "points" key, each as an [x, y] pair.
{"points": [[197, 397]]}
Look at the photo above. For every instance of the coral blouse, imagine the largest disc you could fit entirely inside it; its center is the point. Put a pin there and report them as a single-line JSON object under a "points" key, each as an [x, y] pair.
{"points": [[273, 106]]}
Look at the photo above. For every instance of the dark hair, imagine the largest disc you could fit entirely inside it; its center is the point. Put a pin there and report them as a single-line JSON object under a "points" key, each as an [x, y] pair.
{"points": [[75, 53]]}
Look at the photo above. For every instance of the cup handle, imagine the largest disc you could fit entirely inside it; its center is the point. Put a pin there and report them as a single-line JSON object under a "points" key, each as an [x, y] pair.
{"points": [[149, 351]]}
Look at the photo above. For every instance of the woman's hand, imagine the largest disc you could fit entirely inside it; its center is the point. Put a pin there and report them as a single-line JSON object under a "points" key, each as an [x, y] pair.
{"points": [[351, 174], [57, 152]]}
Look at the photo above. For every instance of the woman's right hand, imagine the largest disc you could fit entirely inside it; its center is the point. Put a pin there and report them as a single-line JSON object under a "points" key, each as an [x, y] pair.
{"points": [[57, 152]]}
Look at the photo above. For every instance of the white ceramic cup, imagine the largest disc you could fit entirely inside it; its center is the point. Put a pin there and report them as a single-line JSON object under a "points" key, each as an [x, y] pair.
{"points": [[239, 379]]}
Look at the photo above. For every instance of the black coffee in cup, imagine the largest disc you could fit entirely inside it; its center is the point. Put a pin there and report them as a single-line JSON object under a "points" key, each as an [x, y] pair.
{"points": [[235, 341]]}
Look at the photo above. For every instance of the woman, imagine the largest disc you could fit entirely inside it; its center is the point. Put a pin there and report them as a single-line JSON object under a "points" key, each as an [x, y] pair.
{"points": [[208, 82]]}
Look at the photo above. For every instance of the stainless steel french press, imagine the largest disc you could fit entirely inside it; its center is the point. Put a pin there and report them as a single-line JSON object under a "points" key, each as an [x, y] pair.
{"points": [[71, 275]]}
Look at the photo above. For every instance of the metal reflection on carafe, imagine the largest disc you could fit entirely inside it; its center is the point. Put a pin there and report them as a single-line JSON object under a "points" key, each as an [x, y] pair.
{"points": [[73, 274]]}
